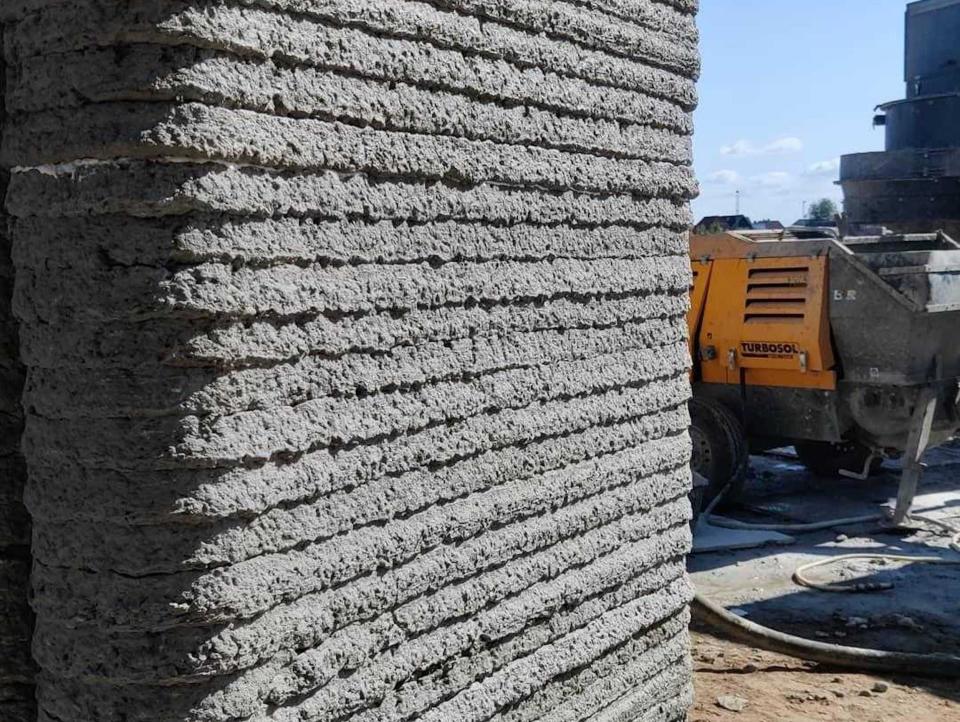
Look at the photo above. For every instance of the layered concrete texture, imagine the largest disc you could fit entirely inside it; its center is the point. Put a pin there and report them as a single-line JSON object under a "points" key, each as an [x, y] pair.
{"points": [[16, 668], [355, 340]]}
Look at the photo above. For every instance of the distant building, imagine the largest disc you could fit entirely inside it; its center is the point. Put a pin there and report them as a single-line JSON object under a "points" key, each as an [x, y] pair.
{"points": [[815, 223], [768, 225], [911, 186], [722, 224]]}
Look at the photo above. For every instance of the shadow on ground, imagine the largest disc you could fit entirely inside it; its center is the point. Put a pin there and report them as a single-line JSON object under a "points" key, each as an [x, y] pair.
{"points": [[920, 614]]}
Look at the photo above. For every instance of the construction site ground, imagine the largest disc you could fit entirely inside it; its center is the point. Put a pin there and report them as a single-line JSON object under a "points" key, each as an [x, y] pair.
{"points": [[920, 613], [779, 689]]}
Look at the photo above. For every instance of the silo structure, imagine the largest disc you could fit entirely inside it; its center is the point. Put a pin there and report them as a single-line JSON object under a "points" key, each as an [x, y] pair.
{"points": [[914, 185]]}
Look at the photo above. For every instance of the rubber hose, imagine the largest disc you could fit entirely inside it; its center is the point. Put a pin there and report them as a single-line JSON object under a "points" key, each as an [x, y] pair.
{"points": [[801, 528], [832, 655], [800, 575], [816, 526]]}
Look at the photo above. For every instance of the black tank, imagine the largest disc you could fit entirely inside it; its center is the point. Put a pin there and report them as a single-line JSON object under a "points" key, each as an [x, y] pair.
{"points": [[914, 185]]}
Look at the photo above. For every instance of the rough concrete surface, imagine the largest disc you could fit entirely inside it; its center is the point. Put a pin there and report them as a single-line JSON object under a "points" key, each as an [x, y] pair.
{"points": [[356, 356], [16, 667]]}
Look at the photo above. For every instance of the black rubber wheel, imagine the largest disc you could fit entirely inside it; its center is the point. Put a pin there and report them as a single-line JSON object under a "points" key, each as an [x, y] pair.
{"points": [[720, 452], [827, 459], [696, 503]]}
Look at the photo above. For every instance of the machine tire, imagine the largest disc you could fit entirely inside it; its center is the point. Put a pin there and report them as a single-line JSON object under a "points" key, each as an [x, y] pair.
{"points": [[720, 450], [828, 459], [696, 503]]}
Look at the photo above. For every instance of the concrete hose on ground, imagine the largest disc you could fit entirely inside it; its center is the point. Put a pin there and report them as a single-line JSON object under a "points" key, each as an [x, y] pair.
{"points": [[830, 655]]}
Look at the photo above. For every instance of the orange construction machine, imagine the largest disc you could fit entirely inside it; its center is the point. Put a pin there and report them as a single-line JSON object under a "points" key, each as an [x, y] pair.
{"points": [[847, 349]]}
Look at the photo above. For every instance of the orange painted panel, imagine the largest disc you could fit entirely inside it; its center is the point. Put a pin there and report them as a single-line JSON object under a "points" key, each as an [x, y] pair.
{"points": [[698, 298], [767, 320]]}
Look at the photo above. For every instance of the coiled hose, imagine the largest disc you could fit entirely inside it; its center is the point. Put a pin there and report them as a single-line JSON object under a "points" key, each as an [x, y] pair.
{"points": [[834, 655]]}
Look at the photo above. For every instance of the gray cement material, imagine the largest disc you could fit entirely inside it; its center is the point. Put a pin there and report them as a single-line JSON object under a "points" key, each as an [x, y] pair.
{"points": [[16, 623], [183, 73], [488, 59], [243, 492], [357, 370]]}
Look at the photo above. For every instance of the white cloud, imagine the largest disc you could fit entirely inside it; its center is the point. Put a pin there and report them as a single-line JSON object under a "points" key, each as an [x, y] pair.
{"points": [[781, 146], [773, 179], [785, 145], [724, 178], [825, 168], [741, 147]]}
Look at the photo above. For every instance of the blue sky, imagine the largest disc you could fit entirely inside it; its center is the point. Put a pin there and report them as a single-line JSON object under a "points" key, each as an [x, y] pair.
{"points": [[788, 86]]}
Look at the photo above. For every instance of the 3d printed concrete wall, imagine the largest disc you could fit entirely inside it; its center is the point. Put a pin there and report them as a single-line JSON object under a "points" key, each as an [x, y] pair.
{"points": [[16, 669], [356, 356]]}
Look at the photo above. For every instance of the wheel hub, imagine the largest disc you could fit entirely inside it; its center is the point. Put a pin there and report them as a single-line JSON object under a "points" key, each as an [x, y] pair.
{"points": [[702, 459]]}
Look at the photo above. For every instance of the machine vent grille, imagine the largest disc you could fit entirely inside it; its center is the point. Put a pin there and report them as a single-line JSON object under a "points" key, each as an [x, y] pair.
{"points": [[777, 295]]}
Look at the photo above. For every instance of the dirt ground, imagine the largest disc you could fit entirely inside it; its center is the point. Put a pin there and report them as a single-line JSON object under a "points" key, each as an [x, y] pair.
{"points": [[780, 689], [919, 611]]}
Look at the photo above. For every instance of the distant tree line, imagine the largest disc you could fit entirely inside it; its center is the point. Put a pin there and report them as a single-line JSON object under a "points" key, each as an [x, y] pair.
{"points": [[823, 210]]}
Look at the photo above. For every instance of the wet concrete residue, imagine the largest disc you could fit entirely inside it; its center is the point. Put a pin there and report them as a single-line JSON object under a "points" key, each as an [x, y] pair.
{"points": [[916, 607]]}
